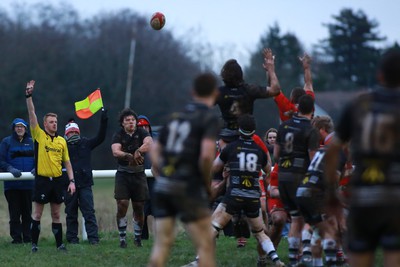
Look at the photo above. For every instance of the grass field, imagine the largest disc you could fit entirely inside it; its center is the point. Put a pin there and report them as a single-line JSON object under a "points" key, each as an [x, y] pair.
{"points": [[108, 253], [105, 206]]}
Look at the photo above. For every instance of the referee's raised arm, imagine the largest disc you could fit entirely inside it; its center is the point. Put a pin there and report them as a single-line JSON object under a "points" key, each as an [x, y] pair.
{"points": [[29, 103]]}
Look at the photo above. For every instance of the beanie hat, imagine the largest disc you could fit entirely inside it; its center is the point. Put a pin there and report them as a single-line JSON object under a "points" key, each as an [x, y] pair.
{"points": [[143, 121], [19, 121], [72, 127]]}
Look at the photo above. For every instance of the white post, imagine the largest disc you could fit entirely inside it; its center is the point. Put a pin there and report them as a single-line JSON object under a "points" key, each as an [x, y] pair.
{"points": [[84, 234]]}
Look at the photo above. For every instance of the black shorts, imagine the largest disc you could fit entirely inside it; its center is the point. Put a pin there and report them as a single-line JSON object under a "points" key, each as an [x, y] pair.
{"points": [[185, 207], [310, 203], [288, 184], [250, 206], [49, 190], [370, 227], [131, 186]]}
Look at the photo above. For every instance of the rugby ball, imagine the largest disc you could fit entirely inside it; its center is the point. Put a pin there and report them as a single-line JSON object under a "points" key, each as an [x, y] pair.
{"points": [[157, 21]]}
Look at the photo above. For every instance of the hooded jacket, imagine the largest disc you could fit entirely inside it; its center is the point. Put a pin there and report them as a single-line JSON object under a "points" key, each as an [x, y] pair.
{"points": [[80, 154], [18, 154], [147, 119], [147, 161]]}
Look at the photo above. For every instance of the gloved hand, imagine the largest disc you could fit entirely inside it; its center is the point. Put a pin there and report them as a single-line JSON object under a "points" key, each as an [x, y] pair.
{"points": [[15, 172], [104, 116]]}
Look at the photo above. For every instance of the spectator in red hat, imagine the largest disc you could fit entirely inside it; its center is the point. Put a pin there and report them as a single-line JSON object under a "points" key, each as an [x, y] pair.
{"points": [[144, 122]]}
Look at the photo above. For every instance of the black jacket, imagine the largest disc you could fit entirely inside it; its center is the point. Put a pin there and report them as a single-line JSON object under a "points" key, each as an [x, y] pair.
{"points": [[80, 155]]}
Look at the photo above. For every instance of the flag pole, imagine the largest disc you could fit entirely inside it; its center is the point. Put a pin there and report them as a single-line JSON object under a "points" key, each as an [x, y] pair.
{"points": [[130, 69]]}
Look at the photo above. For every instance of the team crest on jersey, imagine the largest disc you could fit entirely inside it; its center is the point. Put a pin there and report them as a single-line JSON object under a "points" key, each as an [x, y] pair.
{"points": [[168, 170], [287, 163], [246, 182], [373, 174]]}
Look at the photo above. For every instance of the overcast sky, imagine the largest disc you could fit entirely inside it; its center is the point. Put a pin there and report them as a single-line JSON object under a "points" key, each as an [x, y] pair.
{"points": [[240, 23]]}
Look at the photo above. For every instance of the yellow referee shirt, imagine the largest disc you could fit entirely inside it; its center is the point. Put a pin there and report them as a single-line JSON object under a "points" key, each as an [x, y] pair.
{"points": [[50, 152]]}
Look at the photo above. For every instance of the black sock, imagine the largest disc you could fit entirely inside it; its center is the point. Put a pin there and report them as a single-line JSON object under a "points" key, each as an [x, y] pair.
{"points": [[57, 231], [35, 231]]}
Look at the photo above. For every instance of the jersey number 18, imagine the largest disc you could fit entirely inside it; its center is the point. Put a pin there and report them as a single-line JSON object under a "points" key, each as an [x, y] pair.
{"points": [[247, 162]]}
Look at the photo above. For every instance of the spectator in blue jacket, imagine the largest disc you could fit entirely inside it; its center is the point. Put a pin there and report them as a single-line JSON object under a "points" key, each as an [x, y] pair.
{"points": [[80, 150], [16, 156], [144, 122]]}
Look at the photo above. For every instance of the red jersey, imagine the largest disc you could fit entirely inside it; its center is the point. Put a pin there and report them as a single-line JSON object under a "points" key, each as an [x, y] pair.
{"points": [[347, 170], [260, 143], [274, 176], [286, 108]]}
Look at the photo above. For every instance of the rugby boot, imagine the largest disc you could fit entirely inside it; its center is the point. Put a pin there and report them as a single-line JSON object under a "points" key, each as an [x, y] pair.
{"points": [[194, 263], [34, 248], [122, 243], [278, 263], [306, 260], [138, 241], [262, 262], [191, 264], [62, 248]]}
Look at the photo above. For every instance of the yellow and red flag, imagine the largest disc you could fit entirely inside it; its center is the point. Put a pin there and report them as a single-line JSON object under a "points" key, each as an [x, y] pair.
{"points": [[90, 105]]}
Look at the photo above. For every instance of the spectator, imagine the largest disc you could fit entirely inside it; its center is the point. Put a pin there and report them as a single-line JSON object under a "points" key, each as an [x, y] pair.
{"points": [[80, 151], [270, 139], [16, 156], [144, 122]]}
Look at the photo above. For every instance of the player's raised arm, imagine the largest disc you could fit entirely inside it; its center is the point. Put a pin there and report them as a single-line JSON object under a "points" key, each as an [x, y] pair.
{"points": [[29, 103], [306, 62], [269, 66]]}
